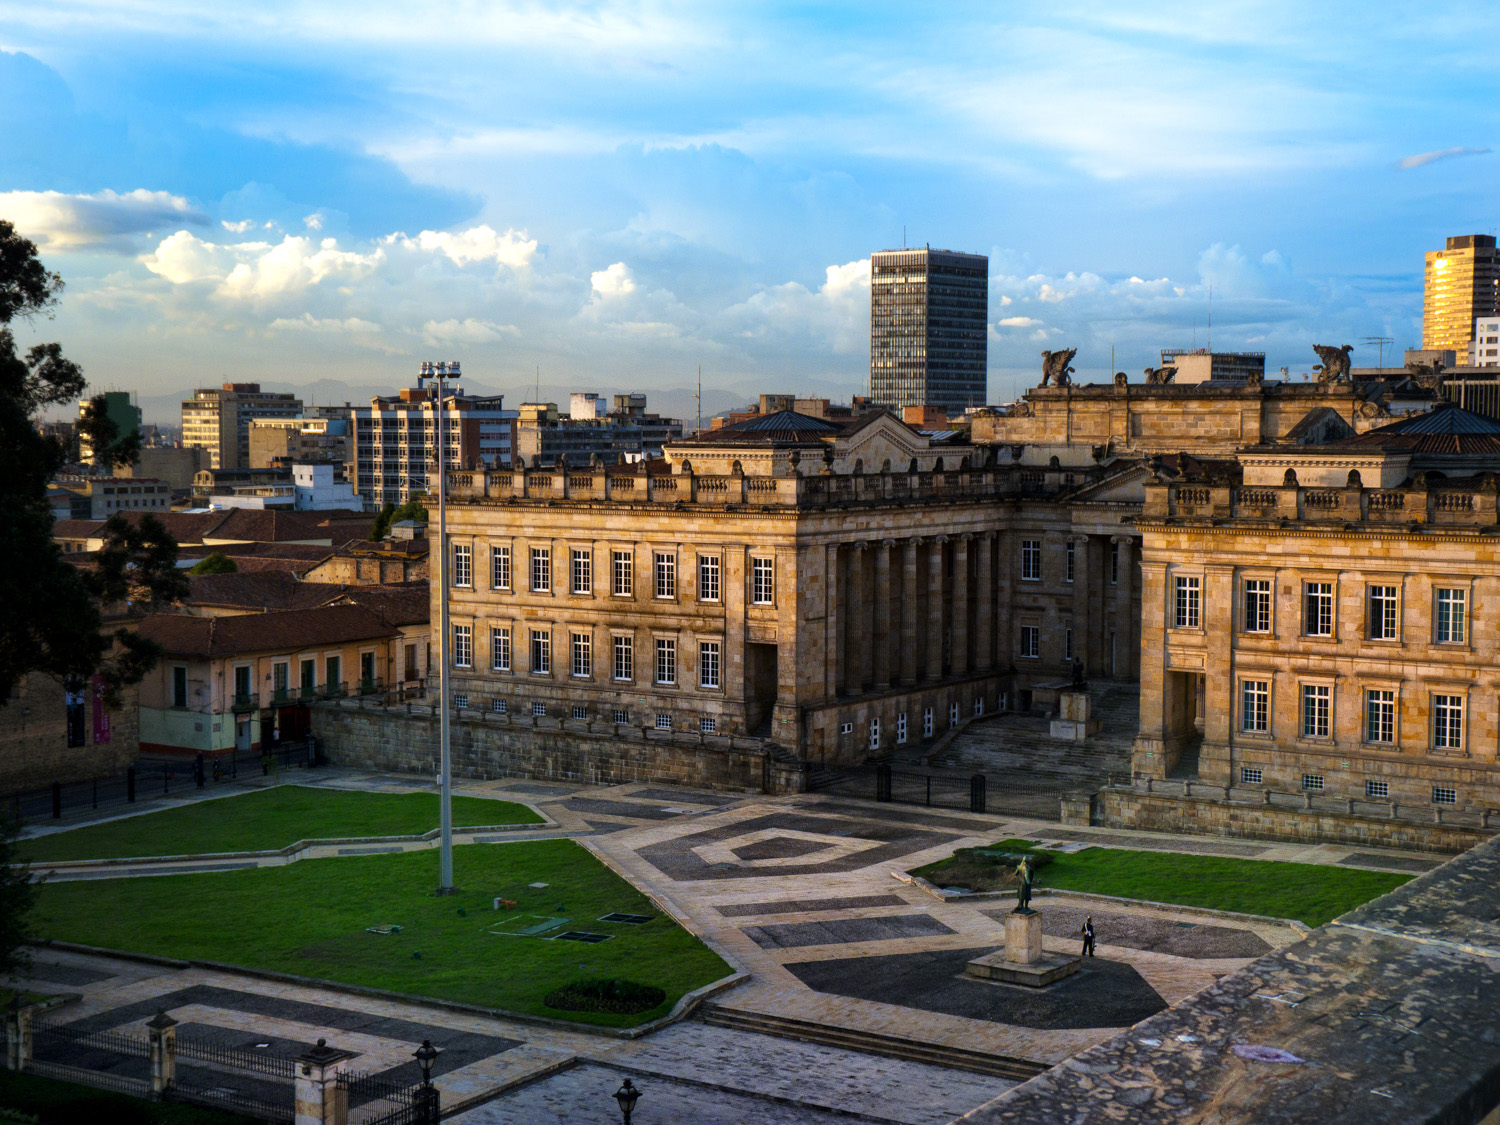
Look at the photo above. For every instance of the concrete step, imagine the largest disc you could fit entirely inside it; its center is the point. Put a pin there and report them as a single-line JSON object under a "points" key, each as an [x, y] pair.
{"points": [[875, 1043]]}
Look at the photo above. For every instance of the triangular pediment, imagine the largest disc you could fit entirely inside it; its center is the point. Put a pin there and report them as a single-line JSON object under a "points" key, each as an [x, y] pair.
{"points": [[1126, 486]]}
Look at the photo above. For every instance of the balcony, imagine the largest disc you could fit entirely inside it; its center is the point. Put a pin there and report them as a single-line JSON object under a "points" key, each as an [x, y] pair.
{"points": [[370, 687], [307, 693], [333, 691], [282, 696], [245, 701]]}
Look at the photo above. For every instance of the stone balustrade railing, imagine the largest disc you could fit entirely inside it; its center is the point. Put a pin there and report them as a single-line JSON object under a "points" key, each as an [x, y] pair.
{"points": [[1414, 503]]}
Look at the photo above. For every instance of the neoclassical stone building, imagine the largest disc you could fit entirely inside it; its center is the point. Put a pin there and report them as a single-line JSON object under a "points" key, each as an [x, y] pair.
{"points": [[1323, 616]]}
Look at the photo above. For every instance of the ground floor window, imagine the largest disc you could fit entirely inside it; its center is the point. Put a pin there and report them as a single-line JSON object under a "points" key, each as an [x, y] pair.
{"points": [[663, 721], [1250, 776], [901, 728]]}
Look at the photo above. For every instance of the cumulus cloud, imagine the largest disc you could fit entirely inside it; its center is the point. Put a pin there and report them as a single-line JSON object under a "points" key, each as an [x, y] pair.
{"points": [[249, 270], [105, 219], [838, 311], [1018, 321], [313, 221], [237, 228], [616, 281], [309, 323], [1419, 159], [483, 243], [466, 331]]}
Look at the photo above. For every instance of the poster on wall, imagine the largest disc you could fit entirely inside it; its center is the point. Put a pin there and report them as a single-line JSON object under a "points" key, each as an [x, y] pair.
{"points": [[101, 712]]}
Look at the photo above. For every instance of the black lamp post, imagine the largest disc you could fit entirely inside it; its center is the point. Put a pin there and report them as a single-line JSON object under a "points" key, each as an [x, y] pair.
{"points": [[627, 1095], [426, 1101]]}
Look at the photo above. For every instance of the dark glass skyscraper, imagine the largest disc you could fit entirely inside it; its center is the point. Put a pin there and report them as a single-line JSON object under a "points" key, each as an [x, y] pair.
{"points": [[929, 313]]}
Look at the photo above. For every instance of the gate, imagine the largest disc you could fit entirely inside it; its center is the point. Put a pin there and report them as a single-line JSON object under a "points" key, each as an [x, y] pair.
{"points": [[388, 1102], [1029, 796]]}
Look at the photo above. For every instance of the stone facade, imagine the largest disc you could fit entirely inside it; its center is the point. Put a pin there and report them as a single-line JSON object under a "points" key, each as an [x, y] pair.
{"points": [[39, 744]]}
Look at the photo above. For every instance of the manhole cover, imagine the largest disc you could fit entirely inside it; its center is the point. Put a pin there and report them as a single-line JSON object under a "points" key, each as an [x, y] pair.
{"points": [[582, 935], [628, 919]]}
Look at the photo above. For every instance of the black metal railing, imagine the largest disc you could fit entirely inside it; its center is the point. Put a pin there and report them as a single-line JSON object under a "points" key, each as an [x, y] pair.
{"points": [[216, 1055], [46, 1033], [408, 1105], [245, 701], [273, 1113]]}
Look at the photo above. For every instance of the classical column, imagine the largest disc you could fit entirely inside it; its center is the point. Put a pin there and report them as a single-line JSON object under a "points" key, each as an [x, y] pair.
{"points": [[935, 606], [1081, 600], [960, 659], [882, 651], [909, 612], [1127, 640], [984, 607], [833, 640], [856, 631]]}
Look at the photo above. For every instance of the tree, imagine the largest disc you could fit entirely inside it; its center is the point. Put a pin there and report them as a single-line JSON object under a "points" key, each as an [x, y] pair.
{"points": [[216, 563], [413, 509], [50, 618], [382, 525], [17, 896]]}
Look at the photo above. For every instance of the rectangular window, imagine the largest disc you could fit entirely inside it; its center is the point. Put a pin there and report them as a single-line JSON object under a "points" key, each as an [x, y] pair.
{"points": [[1378, 790], [583, 572], [622, 563], [979, 705], [666, 660], [1031, 641], [901, 728], [874, 734], [180, 687], [1187, 603], [708, 664], [583, 654], [499, 650], [1312, 782], [624, 658], [1448, 722], [621, 715], [927, 722], [460, 702], [499, 567], [541, 570], [708, 578], [666, 574], [1031, 560], [1257, 605], [953, 714], [1250, 776], [1380, 716], [1315, 708], [463, 646], [1383, 606], [763, 581], [463, 564], [1071, 555], [1067, 644], [1255, 706], [310, 671], [280, 679], [846, 728], [1317, 609], [1449, 613], [1442, 795], [708, 726], [1114, 564], [541, 651], [663, 721], [539, 709], [499, 706], [580, 711]]}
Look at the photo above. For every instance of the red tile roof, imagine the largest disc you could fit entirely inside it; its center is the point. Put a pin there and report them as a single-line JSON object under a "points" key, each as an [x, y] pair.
{"points": [[180, 635], [264, 589]]}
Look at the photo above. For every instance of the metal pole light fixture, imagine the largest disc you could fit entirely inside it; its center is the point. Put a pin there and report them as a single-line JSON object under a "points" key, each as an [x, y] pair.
{"points": [[425, 1101], [627, 1095], [445, 753], [426, 1055]]}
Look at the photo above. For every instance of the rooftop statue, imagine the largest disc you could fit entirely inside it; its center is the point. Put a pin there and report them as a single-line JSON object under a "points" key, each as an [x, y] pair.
{"points": [[1428, 375], [1157, 376], [1055, 369], [1335, 365]]}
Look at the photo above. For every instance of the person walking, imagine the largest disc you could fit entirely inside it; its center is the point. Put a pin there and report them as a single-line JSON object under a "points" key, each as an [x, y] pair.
{"points": [[1088, 937]]}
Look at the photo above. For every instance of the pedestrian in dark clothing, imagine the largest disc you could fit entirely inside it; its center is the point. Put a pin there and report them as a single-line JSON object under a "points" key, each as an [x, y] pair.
{"points": [[1088, 937]]}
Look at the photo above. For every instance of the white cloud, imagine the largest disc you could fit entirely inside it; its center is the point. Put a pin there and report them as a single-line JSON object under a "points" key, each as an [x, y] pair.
{"points": [[105, 219], [313, 221], [616, 281], [1421, 158], [466, 331], [255, 270], [836, 315], [309, 323], [1018, 322], [237, 228], [477, 244]]}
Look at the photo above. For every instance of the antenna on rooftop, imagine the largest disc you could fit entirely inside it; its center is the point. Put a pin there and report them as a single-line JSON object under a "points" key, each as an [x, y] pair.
{"points": [[1381, 341], [1209, 339], [699, 398]]}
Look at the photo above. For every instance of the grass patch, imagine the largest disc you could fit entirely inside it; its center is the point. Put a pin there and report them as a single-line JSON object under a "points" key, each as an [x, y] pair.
{"points": [[623, 996], [27, 1097], [311, 918], [1311, 893], [264, 819]]}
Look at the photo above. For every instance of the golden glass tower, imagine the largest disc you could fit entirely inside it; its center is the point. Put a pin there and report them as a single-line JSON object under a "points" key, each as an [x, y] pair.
{"points": [[1461, 282]]}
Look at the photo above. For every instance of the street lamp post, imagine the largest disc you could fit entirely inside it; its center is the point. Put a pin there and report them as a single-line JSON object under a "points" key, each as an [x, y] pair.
{"points": [[429, 1111], [627, 1095], [445, 764]]}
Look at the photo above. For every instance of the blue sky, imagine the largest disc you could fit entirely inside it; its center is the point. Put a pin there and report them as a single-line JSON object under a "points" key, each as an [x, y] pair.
{"points": [[322, 193]]}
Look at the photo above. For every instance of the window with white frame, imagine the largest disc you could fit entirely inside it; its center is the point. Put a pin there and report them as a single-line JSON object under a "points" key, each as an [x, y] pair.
{"points": [[927, 722], [583, 572], [580, 711], [499, 649], [666, 660], [1312, 782], [622, 566], [463, 564], [1031, 560], [1378, 790], [1317, 609], [1257, 601], [953, 714], [1186, 603], [979, 705], [1249, 775], [1443, 795], [762, 581], [620, 715], [624, 657], [708, 664], [460, 702], [708, 726], [875, 734], [1380, 715], [539, 709], [1071, 555], [463, 646], [666, 574], [499, 706], [541, 570], [1255, 706], [1031, 641], [1383, 613], [541, 651], [708, 578], [1447, 722], [1316, 704], [499, 567], [1449, 613], [583, 654], [901, 728], [663, 721], [846, 728]]}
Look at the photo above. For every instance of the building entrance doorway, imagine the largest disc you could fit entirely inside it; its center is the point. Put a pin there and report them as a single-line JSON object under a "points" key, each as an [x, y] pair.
{"points": [[242, 732], [1182, 722], [760, 688]]}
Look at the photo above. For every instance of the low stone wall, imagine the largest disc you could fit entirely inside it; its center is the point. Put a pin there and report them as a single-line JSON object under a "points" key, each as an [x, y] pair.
{"points": [[400, 742], [1124, 808]]}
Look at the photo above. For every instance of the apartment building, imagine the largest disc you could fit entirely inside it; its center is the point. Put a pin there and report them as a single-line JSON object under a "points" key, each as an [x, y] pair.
{"points": [[217, 420]]}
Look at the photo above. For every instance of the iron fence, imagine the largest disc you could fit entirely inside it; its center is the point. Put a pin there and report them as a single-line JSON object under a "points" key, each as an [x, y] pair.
{"points": [[62, 1072], [46, 1033], [273, 1113], [214, 1054], [386, 1101]]}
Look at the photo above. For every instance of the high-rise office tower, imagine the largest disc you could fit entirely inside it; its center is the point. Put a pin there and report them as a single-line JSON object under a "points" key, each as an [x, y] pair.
{"points": [[929, 313], [1461, 282], [217, 420]]}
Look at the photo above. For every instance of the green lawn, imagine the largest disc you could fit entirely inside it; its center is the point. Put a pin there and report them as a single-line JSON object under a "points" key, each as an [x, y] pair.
{"points": [[64, 1103], [1311, 893], [264, 819], [310, 918]]}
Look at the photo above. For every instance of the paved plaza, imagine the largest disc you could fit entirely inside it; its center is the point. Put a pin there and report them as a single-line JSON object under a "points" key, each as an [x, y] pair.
{"points": [[799, 892]]}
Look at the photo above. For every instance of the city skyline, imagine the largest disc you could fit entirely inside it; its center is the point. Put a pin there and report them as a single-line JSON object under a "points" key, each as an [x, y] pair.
{"points": [[308, 196]]}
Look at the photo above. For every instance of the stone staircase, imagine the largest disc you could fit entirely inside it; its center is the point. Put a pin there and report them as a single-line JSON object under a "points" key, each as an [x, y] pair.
{"points": [[1022, 745], [872, 1042]]}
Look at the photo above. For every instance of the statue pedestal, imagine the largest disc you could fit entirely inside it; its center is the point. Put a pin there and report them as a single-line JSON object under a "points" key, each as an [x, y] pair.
{"points": [[1072, 722], [1023, 960]]}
